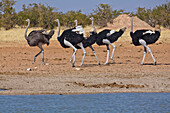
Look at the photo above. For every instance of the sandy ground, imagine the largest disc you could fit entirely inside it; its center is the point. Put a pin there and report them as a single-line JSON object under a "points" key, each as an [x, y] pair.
{"points": [[58, 77]]}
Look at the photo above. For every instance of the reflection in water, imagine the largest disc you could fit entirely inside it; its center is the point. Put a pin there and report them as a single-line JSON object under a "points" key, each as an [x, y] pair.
{"points": [[116, 102]]}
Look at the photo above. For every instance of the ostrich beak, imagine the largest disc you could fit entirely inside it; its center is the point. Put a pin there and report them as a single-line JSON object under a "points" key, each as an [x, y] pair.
{"points": [[56, 20]]}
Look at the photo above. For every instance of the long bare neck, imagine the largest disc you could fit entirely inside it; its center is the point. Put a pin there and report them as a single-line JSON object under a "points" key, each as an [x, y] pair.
{"points": [[131, 30], [92, 23], [58, 35], [26, 37], [76, 23]]}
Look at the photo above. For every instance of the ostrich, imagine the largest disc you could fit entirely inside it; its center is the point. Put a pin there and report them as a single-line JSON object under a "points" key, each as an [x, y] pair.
{"points": [[107, 37], [37, 38], [71, 39], [90, 40], [144, 37]]}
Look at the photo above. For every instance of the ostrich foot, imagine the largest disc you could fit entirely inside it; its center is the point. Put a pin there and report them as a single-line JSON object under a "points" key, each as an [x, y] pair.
{"points": [[81, 64], [73, 64], [113, 60], [106, 63], [42, 63], [33, 60], [154, 63], [71, 60]]}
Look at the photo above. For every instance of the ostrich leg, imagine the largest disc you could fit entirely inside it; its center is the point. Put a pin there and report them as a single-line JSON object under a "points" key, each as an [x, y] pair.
{"points": [[151, 55], [95, 55], [107, 42], [113, 51], [107, 54], [141, 41], [145, 51], [67, 43], [42, 51], [84, 51], [73, 61], [36, 56]]}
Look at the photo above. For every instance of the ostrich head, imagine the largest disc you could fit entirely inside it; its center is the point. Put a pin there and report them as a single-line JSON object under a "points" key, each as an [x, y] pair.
{"points": [[75, 20], [57, 20], [123, 28], [28, 20], [91, 18]]}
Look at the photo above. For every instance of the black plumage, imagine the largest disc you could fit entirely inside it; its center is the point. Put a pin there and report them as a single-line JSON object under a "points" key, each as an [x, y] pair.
{"points": [[149, 38], [89, 41], [70, 36], [112, 38]]}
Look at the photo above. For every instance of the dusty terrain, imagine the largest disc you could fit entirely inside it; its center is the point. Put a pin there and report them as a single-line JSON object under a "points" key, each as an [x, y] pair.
{"points": [[58, 77]]}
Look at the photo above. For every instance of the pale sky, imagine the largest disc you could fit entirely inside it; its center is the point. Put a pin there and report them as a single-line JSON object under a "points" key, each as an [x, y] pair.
{"points": [[87, 6]]}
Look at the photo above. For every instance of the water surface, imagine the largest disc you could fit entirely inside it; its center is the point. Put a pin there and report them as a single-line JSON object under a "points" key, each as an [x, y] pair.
{"points": [[92, 103]]}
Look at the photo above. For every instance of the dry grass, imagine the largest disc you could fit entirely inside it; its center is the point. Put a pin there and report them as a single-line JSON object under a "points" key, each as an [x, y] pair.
{"points": [[17, 34]]}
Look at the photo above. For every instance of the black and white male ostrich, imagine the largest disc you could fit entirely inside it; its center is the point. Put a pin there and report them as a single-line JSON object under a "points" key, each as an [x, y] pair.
{"points": [[107, 37], [144, 37], [71, 39], [90, 40], [38, 38]]}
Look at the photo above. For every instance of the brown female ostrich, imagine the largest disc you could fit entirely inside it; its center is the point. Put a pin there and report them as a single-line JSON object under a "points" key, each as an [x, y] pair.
{"points": [[37, 38]]}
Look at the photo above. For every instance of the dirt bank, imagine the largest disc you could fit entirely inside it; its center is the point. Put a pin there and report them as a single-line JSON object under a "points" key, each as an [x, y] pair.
{"points": [[58, 77]]}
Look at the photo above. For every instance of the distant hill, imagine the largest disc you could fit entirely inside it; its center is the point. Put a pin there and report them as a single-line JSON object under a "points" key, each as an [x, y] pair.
{"points": [[125, 20]]}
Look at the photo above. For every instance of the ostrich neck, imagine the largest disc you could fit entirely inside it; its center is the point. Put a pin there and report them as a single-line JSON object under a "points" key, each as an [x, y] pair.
{"points": [[131, 30], [58, 29], [92, 23], [76, 23], [26, 37]]}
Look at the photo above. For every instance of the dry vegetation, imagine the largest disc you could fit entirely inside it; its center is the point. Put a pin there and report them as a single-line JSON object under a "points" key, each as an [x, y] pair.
{"points": [[17, 34]]}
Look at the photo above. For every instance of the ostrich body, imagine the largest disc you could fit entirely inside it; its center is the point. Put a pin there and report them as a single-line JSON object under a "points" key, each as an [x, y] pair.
{"points": [[144, 37], [107, 37], [37, 38], [71, 39]]}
